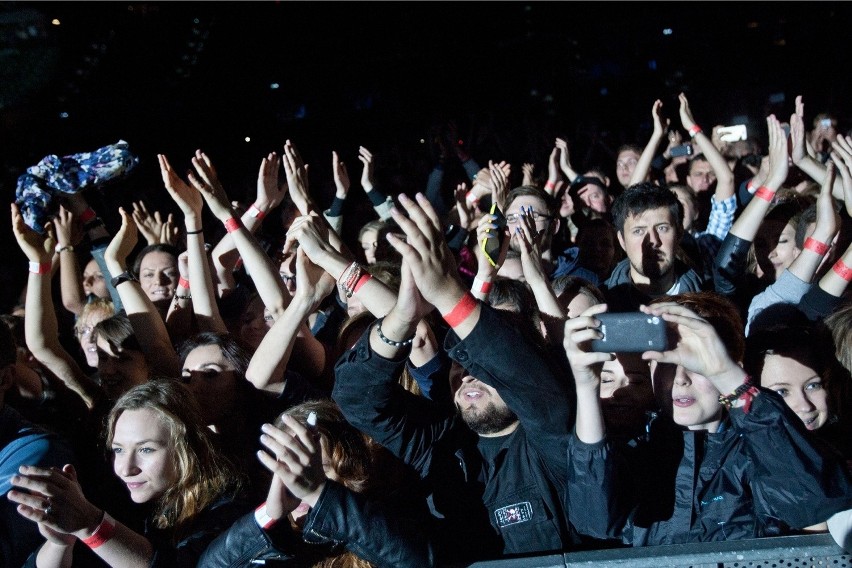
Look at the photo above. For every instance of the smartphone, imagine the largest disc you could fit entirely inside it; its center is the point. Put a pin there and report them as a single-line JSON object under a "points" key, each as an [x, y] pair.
{"points": [[492, 244], [630, 332], [733, 133], [682, 150]]}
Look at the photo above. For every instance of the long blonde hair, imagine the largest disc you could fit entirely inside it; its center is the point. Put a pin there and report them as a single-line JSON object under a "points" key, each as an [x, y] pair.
{"points": [[204, 475]]}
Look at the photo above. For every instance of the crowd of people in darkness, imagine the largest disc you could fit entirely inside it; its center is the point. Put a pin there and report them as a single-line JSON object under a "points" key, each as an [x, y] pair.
{"points": [[504, 360]]}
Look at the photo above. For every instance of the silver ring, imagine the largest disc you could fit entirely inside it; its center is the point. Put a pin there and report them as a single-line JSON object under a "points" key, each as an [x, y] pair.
{"points": [[49, 509]]}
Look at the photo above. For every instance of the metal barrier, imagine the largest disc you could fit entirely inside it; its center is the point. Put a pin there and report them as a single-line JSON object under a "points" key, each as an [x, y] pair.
{"points": [[809, 551]]}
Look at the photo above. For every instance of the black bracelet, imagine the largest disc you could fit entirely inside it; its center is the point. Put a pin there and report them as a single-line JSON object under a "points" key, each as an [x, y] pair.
{"points": [[728, 401], [391, 342], [198, 232], [187, 297]]}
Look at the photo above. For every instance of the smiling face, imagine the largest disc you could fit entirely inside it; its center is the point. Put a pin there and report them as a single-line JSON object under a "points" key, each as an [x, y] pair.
{"points": [[158, 275], [689, 398], [649, 239], [800, 386], [212, 378], [143, 456], [120, 370]]}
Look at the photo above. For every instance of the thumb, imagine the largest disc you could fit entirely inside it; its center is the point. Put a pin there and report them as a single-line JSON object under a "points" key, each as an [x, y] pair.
{"points": [[69, 472]]}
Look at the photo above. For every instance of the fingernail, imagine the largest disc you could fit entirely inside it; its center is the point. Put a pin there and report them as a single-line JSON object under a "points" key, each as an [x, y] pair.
{"points": [[266, 427]]}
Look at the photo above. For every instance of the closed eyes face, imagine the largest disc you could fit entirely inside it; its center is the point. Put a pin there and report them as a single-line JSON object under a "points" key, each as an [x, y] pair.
{"points": [[143, 457]]}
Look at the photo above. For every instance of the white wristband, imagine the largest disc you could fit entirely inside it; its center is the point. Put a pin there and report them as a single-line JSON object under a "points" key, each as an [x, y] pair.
{"points": [[263, 519], [481, 286]]}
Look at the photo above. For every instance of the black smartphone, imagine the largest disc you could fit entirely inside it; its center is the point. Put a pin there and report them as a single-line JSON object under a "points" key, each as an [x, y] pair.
{"points": [[630, 332], [682, 150], [492, 244]]}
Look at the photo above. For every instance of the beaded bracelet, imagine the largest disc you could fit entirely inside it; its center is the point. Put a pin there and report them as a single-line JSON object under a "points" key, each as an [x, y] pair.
{"points": [[391, 342], [745, 391]]}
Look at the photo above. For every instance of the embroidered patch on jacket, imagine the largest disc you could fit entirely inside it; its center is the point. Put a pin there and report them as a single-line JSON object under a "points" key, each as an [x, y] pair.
{"points": [[513, 514]]}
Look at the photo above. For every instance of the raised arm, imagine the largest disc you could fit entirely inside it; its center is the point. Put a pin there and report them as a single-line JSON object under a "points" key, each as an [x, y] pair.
{"points": [[257, 263], [643, 166], [381, 203], [148, 325], [203, 296], [153, 227], [41, 328], [530, 240], [68, 236], [841, 155], [748, 223], [313, 284], [827, 225], [334, 214], [724, 175], [565, 161], [270, 194], [802, 152]]}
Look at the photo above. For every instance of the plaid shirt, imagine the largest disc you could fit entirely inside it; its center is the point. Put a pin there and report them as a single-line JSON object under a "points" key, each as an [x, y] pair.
{"points": [[721, 218]]}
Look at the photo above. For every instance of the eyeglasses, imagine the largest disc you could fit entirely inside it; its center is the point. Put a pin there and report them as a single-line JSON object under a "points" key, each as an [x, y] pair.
{"points": [[513, 218]]}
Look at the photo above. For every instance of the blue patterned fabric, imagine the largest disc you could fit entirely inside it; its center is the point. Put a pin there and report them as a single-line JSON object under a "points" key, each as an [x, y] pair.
{"points": [[37, 189]]}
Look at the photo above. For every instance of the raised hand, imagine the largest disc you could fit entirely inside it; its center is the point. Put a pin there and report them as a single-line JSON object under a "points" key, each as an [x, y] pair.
{"points": [[579, 331], [124, 241], [797, 132], [778, 162], [367, 172], [529, 239], [426, 252], [69, 230], [151, 226], [686, 118], [500, 183], [841, 155], [37, 247], [296, 171], [696, 347], [660, 124], [270, 193], [466, 209], [564, 158], [528, 171], [313, 283], [207, 186], [341, 176]]}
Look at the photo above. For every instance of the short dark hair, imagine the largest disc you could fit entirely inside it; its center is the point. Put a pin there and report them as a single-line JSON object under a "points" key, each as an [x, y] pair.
{"points": [[230, 347], [531, 190], [642, 197]]}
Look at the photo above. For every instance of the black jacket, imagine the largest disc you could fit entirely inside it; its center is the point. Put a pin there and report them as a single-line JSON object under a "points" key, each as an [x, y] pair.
{"points": [[760, 475], [341, 520], [510, 504]]}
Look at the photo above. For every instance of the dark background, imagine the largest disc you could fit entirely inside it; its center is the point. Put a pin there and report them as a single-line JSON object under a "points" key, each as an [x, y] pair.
{"points": [[173, 77]]}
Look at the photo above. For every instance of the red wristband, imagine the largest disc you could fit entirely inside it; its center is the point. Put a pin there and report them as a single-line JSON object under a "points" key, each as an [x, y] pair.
{"points": [[87, 215], [40, 267], [693, 130], [764, 193], [232, 225], [361, 281], [842, 270], [462, 309], [263, 519], [183, 282], [816, 246], [550, 186], [255, 212], [102, 534]]}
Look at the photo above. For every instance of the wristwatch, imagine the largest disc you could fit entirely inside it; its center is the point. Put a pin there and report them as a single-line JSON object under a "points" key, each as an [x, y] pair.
{"points": [[123, 277]]}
